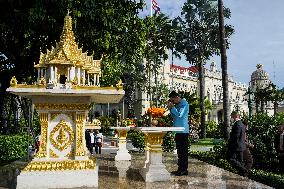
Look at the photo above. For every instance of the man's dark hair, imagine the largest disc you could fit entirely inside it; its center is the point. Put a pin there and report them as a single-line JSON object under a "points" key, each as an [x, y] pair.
{"points": [[235, 113], [173, 94]]}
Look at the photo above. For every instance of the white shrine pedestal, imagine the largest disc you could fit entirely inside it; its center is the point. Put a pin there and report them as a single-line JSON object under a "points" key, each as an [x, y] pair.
{"points": [[122, 153], [154, 169], [63, 160]]}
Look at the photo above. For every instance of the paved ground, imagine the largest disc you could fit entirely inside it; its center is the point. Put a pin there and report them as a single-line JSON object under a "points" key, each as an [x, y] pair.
{"points": [[201, 175]]}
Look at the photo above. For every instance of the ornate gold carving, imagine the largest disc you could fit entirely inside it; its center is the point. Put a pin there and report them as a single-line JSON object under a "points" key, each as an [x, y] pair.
{"points": [[79, 135], [13, 81], [43, 117], [122, 134], [71, 154], [42, 82], [62, 106], [52, 154], [75, 81], [154, 141], [54, 115], [67, 53], [64, 138], [61, 165], [119, 85], [95, 87], [155, 138]]}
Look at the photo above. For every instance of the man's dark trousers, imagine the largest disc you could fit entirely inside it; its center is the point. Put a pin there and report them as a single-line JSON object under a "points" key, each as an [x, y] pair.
{"points": [[182, 150]]}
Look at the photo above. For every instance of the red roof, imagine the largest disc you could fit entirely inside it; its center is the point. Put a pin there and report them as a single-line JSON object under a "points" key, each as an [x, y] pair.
{"points": [[181, 69]]}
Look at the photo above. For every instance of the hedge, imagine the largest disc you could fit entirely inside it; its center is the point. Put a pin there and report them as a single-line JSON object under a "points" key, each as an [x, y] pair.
{"points": [[13, 147], [268, 178]]}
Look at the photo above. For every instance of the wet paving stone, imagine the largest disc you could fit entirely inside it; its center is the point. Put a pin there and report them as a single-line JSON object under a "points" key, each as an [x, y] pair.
{"points": [[201, 175]]}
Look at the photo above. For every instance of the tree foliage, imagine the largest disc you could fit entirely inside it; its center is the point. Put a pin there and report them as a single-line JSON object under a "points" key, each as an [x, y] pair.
{"points": [[198, 38]]}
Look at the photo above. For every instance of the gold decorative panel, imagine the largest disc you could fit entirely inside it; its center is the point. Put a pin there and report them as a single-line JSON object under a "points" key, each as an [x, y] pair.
{"points": [[64, 137], [61, 165], [79, 135], [43, 118]]}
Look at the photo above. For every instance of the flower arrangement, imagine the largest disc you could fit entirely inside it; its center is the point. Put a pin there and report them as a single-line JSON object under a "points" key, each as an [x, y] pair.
{"points": [[156, 112], [129, 122]]}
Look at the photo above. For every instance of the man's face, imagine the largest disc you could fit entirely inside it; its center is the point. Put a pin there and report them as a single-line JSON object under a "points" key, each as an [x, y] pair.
{"points": [[175, 100], [281, 129]]}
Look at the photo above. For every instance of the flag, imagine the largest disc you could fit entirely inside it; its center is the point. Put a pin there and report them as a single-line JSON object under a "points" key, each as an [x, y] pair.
{"points": [[155, 6]]}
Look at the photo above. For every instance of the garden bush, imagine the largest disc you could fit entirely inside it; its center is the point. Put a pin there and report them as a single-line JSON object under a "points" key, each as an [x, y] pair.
{"points": [[268, 178], [261, 131], [106, 123], [137, 138], [213, 130], [13, 147]]}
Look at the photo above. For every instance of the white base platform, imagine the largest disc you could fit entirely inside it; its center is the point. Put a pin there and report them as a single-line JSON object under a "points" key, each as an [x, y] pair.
{"points": [[58, 179], [153, 173]]}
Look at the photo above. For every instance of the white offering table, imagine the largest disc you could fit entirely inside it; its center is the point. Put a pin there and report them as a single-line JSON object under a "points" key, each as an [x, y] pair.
{"points": [[154, 169], [122, 153]]}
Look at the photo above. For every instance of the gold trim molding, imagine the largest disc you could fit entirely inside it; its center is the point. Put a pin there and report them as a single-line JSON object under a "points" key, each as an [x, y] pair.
{"points": [[79, 135], [43, 118], [46, 106], [61, 165]]}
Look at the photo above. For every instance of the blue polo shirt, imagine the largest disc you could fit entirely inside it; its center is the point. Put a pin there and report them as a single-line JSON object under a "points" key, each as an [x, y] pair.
{"points": [[180, 115]]}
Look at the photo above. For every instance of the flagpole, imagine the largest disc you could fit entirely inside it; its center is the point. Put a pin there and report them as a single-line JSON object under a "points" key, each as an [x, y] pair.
{"points": [[151, 8]]}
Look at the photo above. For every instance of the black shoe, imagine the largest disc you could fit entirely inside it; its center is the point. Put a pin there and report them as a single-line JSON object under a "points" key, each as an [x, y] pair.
{"points": [[181, 173]]}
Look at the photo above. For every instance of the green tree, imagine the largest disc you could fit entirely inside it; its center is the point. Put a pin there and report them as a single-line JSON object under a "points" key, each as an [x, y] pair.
{"points": [[198, 38], [109, 28], [160, 37]]}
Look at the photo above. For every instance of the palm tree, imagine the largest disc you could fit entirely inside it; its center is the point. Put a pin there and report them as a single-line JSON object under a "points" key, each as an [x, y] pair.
{"points": [[226, 105]]}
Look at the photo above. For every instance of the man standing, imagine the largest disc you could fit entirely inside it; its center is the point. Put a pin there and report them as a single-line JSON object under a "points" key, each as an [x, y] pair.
{"points": [[179, 109], [236, 143]]}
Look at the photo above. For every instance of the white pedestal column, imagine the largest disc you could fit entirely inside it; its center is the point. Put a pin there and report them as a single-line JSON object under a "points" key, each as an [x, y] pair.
{"points": [[154, 169], [122, 167], [122, 153]]}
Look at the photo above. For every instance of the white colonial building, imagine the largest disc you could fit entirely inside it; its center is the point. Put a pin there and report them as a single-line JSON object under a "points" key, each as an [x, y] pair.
{"points": [[186, 79]]}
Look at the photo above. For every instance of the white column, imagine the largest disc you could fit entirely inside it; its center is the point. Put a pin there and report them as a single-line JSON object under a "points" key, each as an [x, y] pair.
{"points": [[84, 77], [98, 80], [55, 74], [122, 153], [94, 80], [68, 74], [72, 73], [79, 75], [88, 79], [51, 73], [38, 74]]}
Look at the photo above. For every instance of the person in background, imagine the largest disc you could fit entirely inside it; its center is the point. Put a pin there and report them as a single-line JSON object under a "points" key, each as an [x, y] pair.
{"points": [[236, 144], [92, 141], [179, 109], [99, 142], [88, 139], [279, 146], [248, 159]]}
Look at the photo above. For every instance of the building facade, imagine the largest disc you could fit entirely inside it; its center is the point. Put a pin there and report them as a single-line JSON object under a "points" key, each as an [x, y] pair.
{"points": [[186, 79]]}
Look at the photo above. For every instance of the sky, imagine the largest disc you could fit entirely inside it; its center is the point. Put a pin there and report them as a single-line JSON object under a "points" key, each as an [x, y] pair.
{"points": [[258, 37]]}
